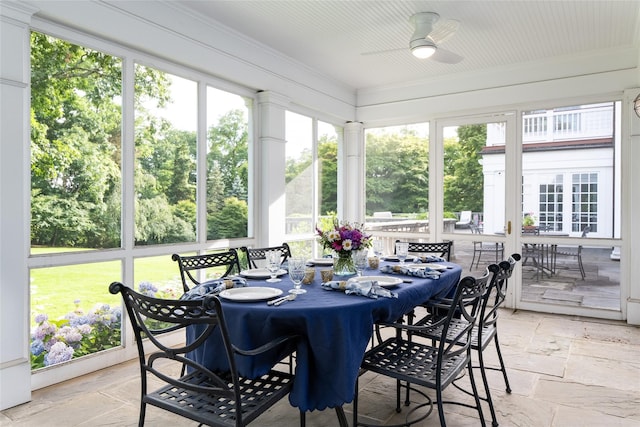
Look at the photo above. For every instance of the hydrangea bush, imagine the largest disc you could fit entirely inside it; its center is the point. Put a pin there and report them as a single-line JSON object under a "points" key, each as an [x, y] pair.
{"points": [[78, 333]]}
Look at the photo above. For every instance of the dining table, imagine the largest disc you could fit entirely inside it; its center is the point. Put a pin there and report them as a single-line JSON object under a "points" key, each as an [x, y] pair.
{"points": [[334, 329]]}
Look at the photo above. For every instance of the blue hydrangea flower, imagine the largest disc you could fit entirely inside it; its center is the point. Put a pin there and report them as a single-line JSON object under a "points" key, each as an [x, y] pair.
{"points": [[36, 347], [59, 352]]}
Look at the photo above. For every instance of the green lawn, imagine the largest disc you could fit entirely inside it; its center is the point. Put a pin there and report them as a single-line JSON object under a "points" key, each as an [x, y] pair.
{"points": [[54, 289]]}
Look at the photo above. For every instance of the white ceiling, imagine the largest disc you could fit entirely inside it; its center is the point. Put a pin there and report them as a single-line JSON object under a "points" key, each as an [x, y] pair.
{"points": [[330, 36]]}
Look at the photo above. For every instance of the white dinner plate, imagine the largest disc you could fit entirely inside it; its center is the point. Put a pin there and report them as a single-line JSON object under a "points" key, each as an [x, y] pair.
{"points": [[433, 266], [321, 261], [383, 281], [250, 294], [260, 273]]}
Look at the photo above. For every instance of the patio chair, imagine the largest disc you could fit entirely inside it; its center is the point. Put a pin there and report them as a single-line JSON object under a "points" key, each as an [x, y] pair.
{"points": [[568, 253], [442, 249], [211, 398], [465, 220], [486, 329], [496, 249], [254, 254], [435, 365], [189, 264]]}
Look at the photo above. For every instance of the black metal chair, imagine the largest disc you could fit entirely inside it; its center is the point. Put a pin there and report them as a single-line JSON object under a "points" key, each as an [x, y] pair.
{"points": [[434, 365], [442, 249], [568, 253], [486, 329], [189, 264], [496, 249], [211, 398], [254, 254]]}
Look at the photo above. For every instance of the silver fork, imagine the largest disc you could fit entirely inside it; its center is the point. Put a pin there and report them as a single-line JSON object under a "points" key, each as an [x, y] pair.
{"points": [[279, 301]]}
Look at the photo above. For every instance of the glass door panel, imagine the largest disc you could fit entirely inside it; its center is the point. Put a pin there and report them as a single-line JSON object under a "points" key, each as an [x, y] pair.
{"points": [[474, 186], [571, 209]]}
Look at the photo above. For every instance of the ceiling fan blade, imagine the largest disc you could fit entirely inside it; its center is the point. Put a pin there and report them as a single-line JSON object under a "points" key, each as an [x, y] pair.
{"points": [[377, 52], [443, 30], [446, 56]]}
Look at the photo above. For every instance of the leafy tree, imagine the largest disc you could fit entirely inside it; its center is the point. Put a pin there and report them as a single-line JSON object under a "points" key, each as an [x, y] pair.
{"points": [[230, 221], [397, 172], [228, 151], [463, 177], [76, 142], [227, 177], [328, 156]]}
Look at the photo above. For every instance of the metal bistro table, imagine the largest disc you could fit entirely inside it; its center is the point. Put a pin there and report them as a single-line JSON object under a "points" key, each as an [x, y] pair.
{"points": [[335, 327]]}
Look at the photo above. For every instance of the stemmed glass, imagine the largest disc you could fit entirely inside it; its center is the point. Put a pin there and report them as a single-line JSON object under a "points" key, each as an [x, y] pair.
{"points": [[297, 270], [378, 247], [273, 264], [360, 260], [402, 251]]}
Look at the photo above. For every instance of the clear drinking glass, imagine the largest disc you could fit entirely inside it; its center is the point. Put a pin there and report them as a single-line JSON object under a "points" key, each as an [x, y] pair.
{"points": [[378, 247], [297, 270], [402, 251], [273, 264], [360, 260]]}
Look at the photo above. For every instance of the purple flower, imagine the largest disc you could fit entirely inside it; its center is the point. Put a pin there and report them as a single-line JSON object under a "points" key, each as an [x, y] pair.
{"points": [[41, 318], [59, 352], [44, 330], [69, 334], [148, 289]]}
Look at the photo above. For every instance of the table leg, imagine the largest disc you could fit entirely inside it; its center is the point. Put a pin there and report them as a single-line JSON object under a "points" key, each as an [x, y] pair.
{"points": [[342, 418]]}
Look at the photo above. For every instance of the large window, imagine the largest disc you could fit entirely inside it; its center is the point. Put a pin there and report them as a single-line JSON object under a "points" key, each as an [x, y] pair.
{"points": [[227, 164], [584, 207], [397, 178], [311, 177], [78, 161], [165, 172], [75, 146]]}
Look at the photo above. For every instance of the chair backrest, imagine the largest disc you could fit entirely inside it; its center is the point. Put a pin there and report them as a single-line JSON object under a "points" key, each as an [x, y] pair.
{"points": [[498, 285], [151, 317], [465, 217], [189, 264], [442, 249], [253, 254], [464, 305]]}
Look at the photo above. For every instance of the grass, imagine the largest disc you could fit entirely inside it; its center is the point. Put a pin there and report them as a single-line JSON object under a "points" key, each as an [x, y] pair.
{"points": [[54, 289]]}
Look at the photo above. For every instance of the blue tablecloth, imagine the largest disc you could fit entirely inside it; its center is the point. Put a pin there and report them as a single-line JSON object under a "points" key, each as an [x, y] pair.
{"points": [[335, 330]]}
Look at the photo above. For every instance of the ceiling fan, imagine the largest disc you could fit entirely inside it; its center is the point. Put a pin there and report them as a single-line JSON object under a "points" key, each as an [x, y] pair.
{"points": [[429, 32]]}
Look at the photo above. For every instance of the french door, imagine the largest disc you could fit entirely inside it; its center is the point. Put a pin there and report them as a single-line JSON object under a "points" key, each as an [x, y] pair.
{"points": [[541, 183]]}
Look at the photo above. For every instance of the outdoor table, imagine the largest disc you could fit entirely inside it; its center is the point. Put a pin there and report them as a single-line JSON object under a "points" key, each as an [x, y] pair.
{"points": [[334, 327]]}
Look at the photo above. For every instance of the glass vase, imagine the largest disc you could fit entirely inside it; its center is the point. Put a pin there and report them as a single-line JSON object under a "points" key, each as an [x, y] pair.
{"points": [[343, 264]]}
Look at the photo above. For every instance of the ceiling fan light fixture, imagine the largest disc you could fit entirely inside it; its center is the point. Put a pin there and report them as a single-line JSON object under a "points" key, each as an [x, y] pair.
{"points": [[422, 48]]}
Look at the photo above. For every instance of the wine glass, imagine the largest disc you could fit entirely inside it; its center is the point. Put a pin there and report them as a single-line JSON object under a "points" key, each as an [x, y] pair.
{"points": [[297, 270], [378, 247], [402, 251], [360, 260], [273, 265]]}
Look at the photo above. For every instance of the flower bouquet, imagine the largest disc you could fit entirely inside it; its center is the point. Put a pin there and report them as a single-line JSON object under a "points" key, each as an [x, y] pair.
{"points": [[344, 238]]}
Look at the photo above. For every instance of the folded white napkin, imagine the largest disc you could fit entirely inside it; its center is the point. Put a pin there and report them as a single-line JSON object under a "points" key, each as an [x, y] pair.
{"points": [[213, 287], [424, 272], [367, 288]]}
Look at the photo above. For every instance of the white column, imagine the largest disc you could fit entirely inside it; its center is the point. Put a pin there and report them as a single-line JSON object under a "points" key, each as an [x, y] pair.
{"points": [[631, 176], [270, 156], [15, 366], [351, 174]]}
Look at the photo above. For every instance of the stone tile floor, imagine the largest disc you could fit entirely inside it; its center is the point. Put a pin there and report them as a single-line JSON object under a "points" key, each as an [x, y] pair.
{"points": [[564, 371]]}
